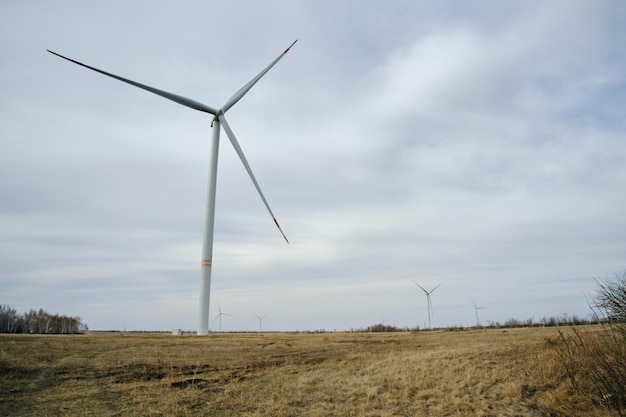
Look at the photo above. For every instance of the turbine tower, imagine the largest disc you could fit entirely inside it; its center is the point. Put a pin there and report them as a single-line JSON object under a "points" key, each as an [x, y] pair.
{"points": [[218, 121], [429, 305]]}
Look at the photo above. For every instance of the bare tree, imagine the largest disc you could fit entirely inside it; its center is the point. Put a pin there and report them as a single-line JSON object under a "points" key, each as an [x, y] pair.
{"points": [[611, 298]]}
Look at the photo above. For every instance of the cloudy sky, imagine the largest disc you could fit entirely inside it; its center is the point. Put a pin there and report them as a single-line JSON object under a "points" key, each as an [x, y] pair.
{"points": [[479, 145]]}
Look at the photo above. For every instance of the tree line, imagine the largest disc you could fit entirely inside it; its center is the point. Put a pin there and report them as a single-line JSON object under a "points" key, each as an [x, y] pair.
{"points": [[39, 322]]}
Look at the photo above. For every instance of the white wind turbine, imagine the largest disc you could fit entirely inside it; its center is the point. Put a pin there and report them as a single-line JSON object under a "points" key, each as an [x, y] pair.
{"points": [[218, 121], [429, 305], [393, 322], [219, 316], [476, 308], [260, 321]]}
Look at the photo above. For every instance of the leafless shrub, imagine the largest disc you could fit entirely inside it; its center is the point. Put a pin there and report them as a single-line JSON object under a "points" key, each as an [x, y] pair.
{"points": [[610, 300], [382, 328], [595, 359]]}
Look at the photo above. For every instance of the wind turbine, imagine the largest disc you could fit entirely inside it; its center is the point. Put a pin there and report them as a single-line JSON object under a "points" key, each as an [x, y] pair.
{"points": [[476, 308], [219, 316], [218, 121], [393, 322], [429, 305], [260, 321]]}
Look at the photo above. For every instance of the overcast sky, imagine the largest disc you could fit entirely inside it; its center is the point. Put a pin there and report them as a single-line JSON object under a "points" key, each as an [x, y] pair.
{"points": [[479, 145]]}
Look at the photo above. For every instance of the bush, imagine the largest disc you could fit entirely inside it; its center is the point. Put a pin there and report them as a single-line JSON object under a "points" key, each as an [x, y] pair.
{"points": [[595, 359], [611, 298], [382, 328]]}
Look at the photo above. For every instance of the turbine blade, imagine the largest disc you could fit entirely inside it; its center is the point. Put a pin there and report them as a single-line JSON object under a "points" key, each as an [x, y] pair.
{"points": [[243, 90], [170, 96], [434, 289], [421, 287], [235, 144]]}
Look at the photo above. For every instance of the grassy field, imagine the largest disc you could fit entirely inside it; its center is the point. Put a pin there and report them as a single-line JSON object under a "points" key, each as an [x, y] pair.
{"points": [[489, 372]]}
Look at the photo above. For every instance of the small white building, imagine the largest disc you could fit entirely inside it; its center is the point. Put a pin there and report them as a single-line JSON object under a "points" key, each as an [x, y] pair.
{"points": [[177, 332]]}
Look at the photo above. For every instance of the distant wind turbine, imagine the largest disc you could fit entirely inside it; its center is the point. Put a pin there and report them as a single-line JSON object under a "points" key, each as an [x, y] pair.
{"points": [[260, 320], [219, 316], [218, 120], [393, 322], [476, 308], [429, 305]]}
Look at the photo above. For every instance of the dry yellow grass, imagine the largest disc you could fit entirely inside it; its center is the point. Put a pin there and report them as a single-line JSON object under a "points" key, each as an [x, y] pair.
{"points": [[512, 372]]}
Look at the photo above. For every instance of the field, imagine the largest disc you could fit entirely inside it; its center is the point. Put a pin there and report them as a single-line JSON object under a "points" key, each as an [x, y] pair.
{"points": [[482, 372]]}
